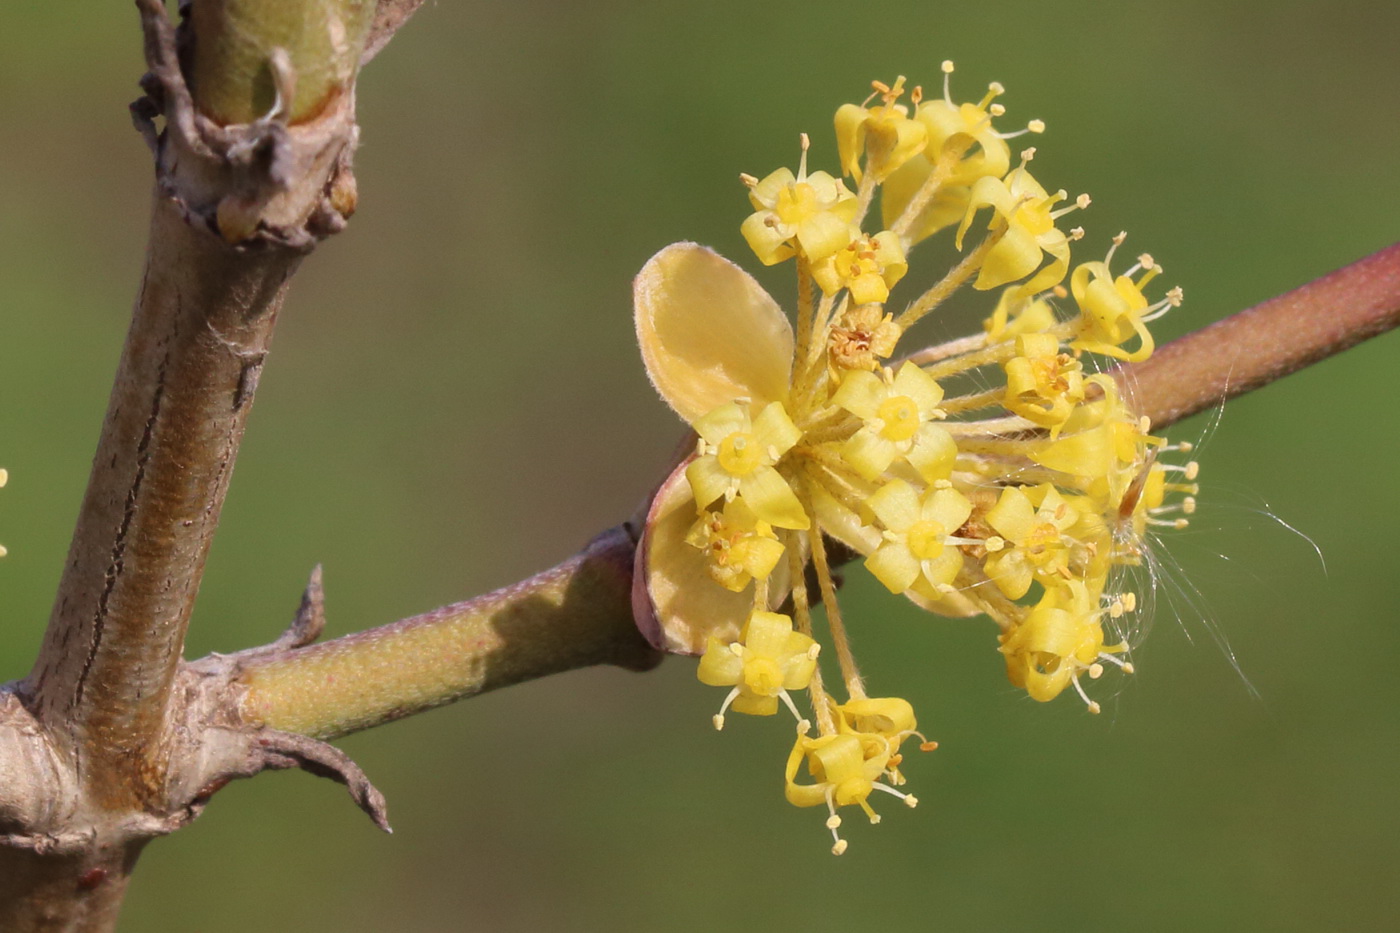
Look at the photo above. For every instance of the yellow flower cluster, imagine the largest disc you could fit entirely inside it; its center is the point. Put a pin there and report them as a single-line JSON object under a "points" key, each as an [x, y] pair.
{"points": [[992, 474]]}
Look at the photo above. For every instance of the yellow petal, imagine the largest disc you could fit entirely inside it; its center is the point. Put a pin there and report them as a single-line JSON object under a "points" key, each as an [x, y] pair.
{"points": [[934, 452], [707, 480], [869, 453], [1013, 515], [708, 332], [895, 504], [948, 507], [1015, 255], [767, 242], [920, 386], [719, 666], [840, 522], [1010, 572], [894, 566], [772, 499], [774, 430], [943, 568], [861, 394], [823, 234], [766, 633]]}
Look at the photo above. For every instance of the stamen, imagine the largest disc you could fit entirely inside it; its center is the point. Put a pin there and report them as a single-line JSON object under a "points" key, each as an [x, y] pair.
{"points": [[718, 718], [833, 823], [802, 724], [1117, 242], [1093, 707], [1080, 203], [1035, 126], [910, 800]]}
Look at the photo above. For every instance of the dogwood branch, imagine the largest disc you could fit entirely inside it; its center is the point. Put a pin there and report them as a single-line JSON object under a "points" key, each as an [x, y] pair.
{"points": [[580, 613]]}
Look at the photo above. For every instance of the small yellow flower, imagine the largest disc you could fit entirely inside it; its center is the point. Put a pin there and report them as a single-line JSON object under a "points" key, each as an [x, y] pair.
{"points": [[890, 718], [862, 337], [807, 213], [868, 267], [919, 549], [767, 661], [844, 769], [1032, 542], [1024, 216], [896, 412], [739, 544], [885, 134], [1113, 309], [1043, 385], [1059, 640], [735, 456]]}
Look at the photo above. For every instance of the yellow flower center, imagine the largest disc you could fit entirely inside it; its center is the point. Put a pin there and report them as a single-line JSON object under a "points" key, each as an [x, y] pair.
{"points": [[1034, 216], [926, 539], [796, 203], [1042, 543], [851, 790], [901, 418], [740, 454], [762, 676]]}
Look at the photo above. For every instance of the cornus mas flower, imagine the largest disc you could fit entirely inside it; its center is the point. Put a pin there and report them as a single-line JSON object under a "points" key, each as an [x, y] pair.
{"points": [[995, 474]]}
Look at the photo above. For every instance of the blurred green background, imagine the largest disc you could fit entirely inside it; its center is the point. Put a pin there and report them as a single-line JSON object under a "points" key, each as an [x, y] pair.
{"points": [[455, 402]]}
